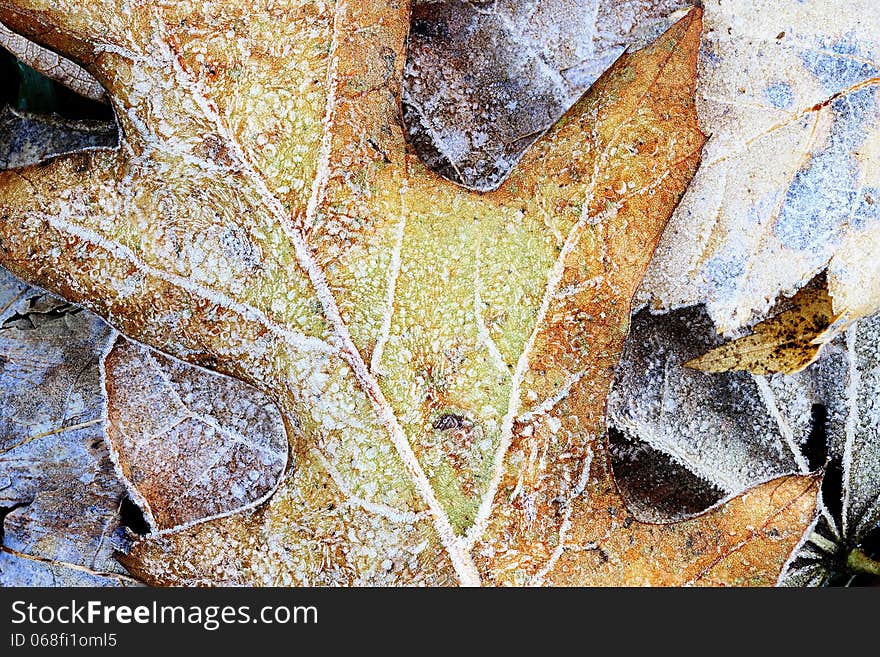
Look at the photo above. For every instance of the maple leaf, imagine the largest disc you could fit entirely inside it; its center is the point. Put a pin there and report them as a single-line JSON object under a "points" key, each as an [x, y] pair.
{"points": [[441, 358], [789, 185]]}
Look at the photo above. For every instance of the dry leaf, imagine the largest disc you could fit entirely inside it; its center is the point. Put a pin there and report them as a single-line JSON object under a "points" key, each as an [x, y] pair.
{"points": [[291, 249], [41, 488], [195, 446], [786, 343], [484, 80], [682, 440], [59, 496], [27, 138], [556, 517], [51, 65], [54, 465], [790, 183]]}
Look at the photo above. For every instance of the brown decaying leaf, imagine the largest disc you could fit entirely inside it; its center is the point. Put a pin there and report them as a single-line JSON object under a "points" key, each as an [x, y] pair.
{"points": [[785, 343], [215, 401], [781, 193], [479, 428], [558, 517], [194, 445], [682, 440], [60, 532]]}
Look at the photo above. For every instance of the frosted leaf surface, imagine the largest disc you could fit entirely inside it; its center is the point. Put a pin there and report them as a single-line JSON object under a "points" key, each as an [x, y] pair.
{"points": [[790, 181], [440, 357], [861, 453], [484, 80], [681, 440], [31, 138], [194, 445], [849, 384], [57, 481], [789, 184]]}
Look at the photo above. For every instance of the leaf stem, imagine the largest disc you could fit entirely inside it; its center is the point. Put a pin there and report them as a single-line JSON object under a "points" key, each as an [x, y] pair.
{"points": [[860, 563]]}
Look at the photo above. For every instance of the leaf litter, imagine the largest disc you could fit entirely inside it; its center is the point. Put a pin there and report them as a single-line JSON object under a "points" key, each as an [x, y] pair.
{"points": [[552, 424]]}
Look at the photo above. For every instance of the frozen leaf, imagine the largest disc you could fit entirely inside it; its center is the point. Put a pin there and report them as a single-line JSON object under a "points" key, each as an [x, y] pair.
{"points": [[683, 440], [30, 137], [484, 80], [845, 541], [432, 350], [58, 492], [790, 183], [861, 449], [59, 498], [27, 138], [18, 569], [786, 343], [194, 445], [557, 517], [43, 546], [788, 91], [52, 65]]}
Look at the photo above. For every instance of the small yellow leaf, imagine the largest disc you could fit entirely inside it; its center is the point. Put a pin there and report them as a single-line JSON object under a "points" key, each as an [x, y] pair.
{"points": [[786, 343]]}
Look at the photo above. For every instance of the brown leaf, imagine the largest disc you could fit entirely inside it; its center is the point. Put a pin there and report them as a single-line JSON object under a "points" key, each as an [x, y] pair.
{"points": [[59, 497], [194, 445], [683, 440], [48, 63], [557, 512], [484, 81]]}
